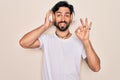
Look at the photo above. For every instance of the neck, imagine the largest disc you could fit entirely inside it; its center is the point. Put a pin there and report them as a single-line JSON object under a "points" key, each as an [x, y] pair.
{"points": [[64, 35]]}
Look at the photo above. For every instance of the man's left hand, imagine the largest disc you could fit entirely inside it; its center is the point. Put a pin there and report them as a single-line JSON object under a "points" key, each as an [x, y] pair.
{"points": [[83, 31]]}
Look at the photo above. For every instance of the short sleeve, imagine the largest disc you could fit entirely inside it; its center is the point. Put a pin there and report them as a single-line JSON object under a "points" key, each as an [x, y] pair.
{"points": [[42, 39], [83, 53]]}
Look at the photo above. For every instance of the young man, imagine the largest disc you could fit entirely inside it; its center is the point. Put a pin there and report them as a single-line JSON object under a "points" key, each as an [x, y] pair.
{"points": [[63, 51]]}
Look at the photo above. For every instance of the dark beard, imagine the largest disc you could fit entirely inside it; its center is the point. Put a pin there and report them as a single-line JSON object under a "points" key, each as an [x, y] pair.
{"points": [[62, 28]]}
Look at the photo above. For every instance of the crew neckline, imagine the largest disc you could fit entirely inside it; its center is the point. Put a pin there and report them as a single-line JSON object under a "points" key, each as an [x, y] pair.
{"points": [[63, 39]]}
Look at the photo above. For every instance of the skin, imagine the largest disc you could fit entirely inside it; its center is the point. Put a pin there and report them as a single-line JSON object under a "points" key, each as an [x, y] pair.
{"points": [[63, 14], [30, 40]]}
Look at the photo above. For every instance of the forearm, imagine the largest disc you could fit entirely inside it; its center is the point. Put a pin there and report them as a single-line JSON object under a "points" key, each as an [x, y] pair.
{"points": [[92, 58], [29, 38]]}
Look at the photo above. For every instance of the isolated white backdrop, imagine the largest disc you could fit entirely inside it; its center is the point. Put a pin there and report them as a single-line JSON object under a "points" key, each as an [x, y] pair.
{"points": [[20, 16]]}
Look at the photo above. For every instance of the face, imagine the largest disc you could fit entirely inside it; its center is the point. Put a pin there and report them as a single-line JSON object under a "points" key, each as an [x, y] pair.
{"points": [[62, 18]]}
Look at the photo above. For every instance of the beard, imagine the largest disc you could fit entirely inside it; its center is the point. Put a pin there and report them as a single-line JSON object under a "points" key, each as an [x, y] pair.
{"points": [[62, 28]]}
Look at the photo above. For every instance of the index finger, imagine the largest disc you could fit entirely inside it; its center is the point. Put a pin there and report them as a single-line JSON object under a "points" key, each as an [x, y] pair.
{"points": [[86, 21], [83, 24]]}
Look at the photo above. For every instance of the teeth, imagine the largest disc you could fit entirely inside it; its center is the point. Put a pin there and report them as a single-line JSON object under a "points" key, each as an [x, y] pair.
{"points": [[62, 24]]}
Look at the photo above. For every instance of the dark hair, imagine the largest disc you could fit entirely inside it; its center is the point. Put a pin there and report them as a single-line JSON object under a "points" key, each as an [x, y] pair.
{"points": [[63, 4]]}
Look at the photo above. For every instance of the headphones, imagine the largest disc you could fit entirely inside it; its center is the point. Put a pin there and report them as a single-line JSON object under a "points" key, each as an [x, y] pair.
{"points": [[51, 17], [73, 20]]}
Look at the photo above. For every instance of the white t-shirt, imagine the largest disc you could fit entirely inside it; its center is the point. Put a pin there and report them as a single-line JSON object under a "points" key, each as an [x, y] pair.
{"points": [[61, 57]]}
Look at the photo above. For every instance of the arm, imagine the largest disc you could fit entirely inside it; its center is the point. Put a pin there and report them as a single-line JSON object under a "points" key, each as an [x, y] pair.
{"points": [[82, 33], [92, 59], [30, 40]]}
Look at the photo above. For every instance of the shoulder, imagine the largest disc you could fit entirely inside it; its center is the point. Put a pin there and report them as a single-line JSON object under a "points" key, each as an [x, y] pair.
{"points": [[76, 39], [46, 36], [45, 39]]}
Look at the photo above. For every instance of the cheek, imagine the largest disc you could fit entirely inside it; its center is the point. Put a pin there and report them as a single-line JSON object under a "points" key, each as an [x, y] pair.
{"points": [[57, 19], [68, 21]]}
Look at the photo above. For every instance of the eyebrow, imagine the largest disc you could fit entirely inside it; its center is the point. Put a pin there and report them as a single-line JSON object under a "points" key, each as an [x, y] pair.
{"points": [[65, 12]]}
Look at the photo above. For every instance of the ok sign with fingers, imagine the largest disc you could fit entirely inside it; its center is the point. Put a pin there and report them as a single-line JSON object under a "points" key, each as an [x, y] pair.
{"points": [[83, 31]]}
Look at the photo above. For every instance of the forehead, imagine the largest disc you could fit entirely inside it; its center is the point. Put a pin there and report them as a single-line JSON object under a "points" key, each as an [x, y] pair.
{"points": [[63, 10]]}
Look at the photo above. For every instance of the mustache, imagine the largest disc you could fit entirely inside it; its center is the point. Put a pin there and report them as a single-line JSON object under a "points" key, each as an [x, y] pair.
{"points": [[62, 22]]}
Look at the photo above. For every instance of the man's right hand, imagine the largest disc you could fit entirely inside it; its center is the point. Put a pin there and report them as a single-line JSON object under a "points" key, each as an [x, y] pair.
{"points": [[47, 22]]}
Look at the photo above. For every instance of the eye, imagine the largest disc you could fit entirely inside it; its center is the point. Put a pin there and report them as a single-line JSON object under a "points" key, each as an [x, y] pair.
{"points": [[58, 15], [67, 15]]}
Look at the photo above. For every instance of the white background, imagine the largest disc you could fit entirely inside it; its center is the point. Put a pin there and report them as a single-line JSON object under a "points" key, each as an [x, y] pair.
{"points": [[17, 17]]}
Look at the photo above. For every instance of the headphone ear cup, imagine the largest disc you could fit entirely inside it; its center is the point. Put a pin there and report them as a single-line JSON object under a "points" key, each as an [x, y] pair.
{"points": [[51, 18], [73, 18]]}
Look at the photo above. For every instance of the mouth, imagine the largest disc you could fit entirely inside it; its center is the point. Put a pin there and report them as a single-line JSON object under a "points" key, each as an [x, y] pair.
{"points": [[63, 22], [63, 25]]}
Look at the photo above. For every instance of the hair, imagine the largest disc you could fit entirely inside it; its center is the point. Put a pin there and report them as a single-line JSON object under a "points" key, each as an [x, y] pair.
{"points": [[63, 4]]}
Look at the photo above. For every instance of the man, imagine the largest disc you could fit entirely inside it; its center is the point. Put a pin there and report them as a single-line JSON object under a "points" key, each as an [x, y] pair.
{"points": [[63, 51]]}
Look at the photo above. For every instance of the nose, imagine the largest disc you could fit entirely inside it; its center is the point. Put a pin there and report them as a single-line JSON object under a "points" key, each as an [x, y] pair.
{"points": [[63, 18]]}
